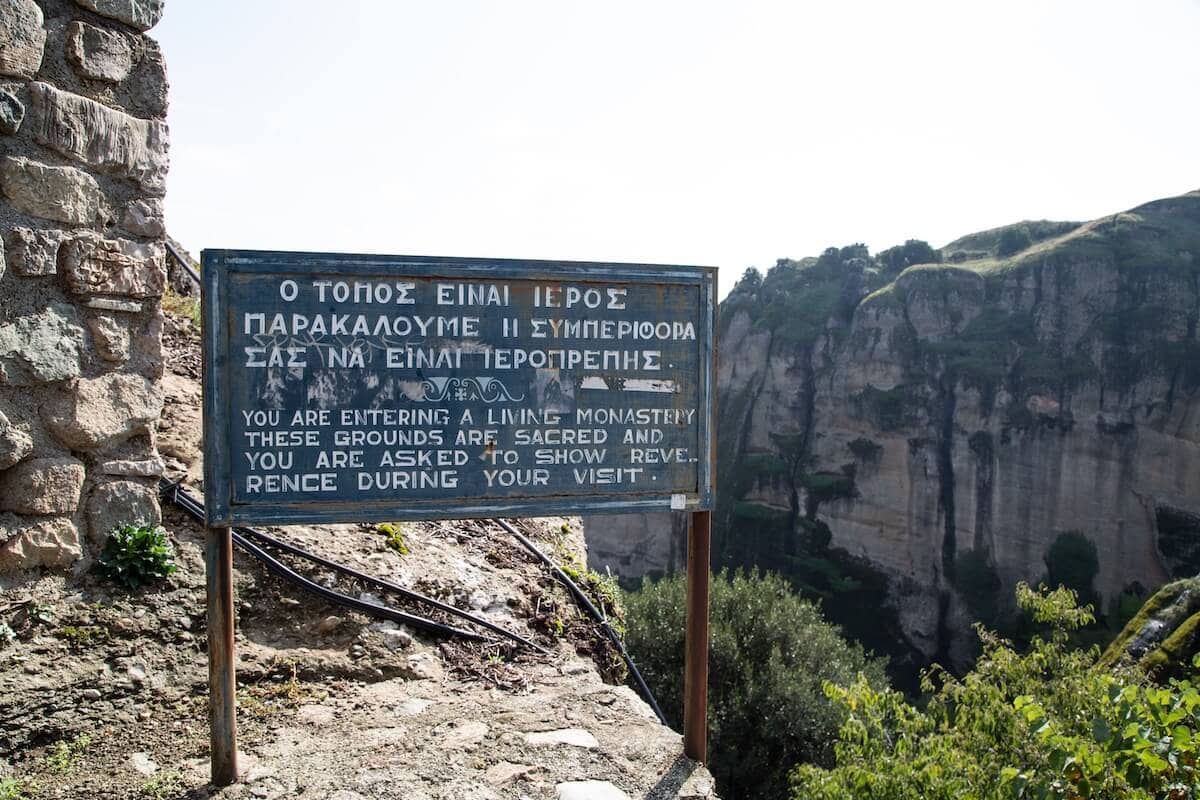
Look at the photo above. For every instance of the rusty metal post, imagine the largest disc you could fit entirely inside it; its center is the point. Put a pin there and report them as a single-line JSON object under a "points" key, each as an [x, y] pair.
{"points": [[695, 671], [222, 680]]}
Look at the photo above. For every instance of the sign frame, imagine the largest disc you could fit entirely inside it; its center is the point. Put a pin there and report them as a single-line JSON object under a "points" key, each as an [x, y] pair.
{"points": [[220, 265]]}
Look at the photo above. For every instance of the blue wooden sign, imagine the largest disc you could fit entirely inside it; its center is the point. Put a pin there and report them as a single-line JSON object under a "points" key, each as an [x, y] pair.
{"points": [[360, 388]]}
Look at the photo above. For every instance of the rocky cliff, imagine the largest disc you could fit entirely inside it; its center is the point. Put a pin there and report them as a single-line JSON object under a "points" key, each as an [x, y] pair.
{"points": [[909, 434]]}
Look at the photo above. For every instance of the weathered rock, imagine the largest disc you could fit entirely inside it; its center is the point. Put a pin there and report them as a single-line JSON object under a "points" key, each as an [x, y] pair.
{"points": [[147, 85], [91, 264], [110, 337], [507, 772], [63, 194], [33, 252], [139, 14], [575, 737], [589, 790], [42, 486], [142, 764], [139, 468], [144, 218], [12, 112], [24, 38], [112, 304], [15, 444], [120, 503], [102, 411], [41, 348], [52, 543], [99, 54], [101, 137]]}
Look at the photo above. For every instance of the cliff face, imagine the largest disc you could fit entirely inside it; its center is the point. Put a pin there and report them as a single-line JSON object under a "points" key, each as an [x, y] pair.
{"points": [[915, 437]]}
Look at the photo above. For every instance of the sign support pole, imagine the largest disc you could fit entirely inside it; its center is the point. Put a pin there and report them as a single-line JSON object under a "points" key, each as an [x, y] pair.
{"points": [[222, 683], [695, 671]]}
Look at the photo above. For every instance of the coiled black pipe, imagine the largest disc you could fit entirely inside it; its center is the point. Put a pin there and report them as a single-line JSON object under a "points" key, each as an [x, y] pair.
{"points": [[583, 600]]}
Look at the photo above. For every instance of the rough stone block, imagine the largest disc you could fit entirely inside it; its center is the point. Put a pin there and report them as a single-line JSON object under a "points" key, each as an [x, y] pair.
{"points": [[110, 337], [100, 136], [12, 112], [33, 253], [139, 14], [99, 54], [42, 486], [15, 444], [111, 304], [119, 503], [137, 468], [103, 411], [63, 194], [41, 348], [24, 38], [52, 543], [144, 218], [91, 264]]}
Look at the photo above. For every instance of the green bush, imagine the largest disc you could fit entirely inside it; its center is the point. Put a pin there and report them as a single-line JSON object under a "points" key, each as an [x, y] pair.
{"points": [[1048, 723], [137, 555], [770, 653]]}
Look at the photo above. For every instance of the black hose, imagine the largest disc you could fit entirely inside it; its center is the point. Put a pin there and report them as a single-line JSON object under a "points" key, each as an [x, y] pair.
{"points": [[181, 498], [183, 262], [584, 601], [408, 594], [194, 505], [374, 609]]}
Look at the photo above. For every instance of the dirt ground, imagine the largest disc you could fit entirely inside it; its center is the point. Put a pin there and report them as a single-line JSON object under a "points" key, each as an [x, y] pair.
{"points": [[104, 692]]}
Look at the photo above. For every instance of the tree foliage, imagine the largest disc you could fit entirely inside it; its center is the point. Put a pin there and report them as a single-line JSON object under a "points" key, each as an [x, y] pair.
{"points": [[1044, 724], [770, 653]]}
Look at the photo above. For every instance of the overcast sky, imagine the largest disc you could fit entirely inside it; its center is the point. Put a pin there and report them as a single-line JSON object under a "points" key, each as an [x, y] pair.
{"points": [[727, 134]]}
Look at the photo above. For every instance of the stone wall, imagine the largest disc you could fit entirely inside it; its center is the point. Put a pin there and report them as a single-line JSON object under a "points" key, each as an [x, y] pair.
{"points": [[83, 166]]}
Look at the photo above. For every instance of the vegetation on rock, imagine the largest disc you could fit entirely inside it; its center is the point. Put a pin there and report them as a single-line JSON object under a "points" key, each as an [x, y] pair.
{"points": [[1047, 723]]}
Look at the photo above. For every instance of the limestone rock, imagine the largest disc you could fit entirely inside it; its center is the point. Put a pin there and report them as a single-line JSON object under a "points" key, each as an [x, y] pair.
{"points": [[12, 112], [120, 503], [144, 218], [33, 252], [507, 772], [24, 38], [589, 790], [139, 14], [103, 411], [112, 304], [140, 468], [42, 486], [15, 444], [99, 54], [110, 337], [41, 348], [92, 264], [101, 137], [50, 543], [63, 194], [575, 737]]}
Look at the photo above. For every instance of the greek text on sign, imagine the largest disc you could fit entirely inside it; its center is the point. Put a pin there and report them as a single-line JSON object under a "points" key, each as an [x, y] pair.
{"points": [[354, 388]]}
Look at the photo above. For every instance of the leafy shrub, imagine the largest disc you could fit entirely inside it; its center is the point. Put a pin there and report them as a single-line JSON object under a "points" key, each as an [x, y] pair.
{"points": [[137, 555], [1013, 240], [770, 652], [1044, 724]]}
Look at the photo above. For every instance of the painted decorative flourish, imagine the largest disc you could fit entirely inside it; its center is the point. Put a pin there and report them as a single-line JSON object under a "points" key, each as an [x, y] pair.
{"points": [[487, 390]]}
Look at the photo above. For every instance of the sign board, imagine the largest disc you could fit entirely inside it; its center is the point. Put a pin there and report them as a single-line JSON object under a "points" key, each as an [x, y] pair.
{"points": [[360, 388]]}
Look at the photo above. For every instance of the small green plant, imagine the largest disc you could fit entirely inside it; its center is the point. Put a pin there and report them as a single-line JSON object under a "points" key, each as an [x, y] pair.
{"points": [[13, 788], [136, 555], [7, 635], [65, 755], [395, 536], [80, 637], [163, 785]]}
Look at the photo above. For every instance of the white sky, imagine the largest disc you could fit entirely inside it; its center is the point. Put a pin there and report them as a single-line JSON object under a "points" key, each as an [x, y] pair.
{"points": [[712, 133]]}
